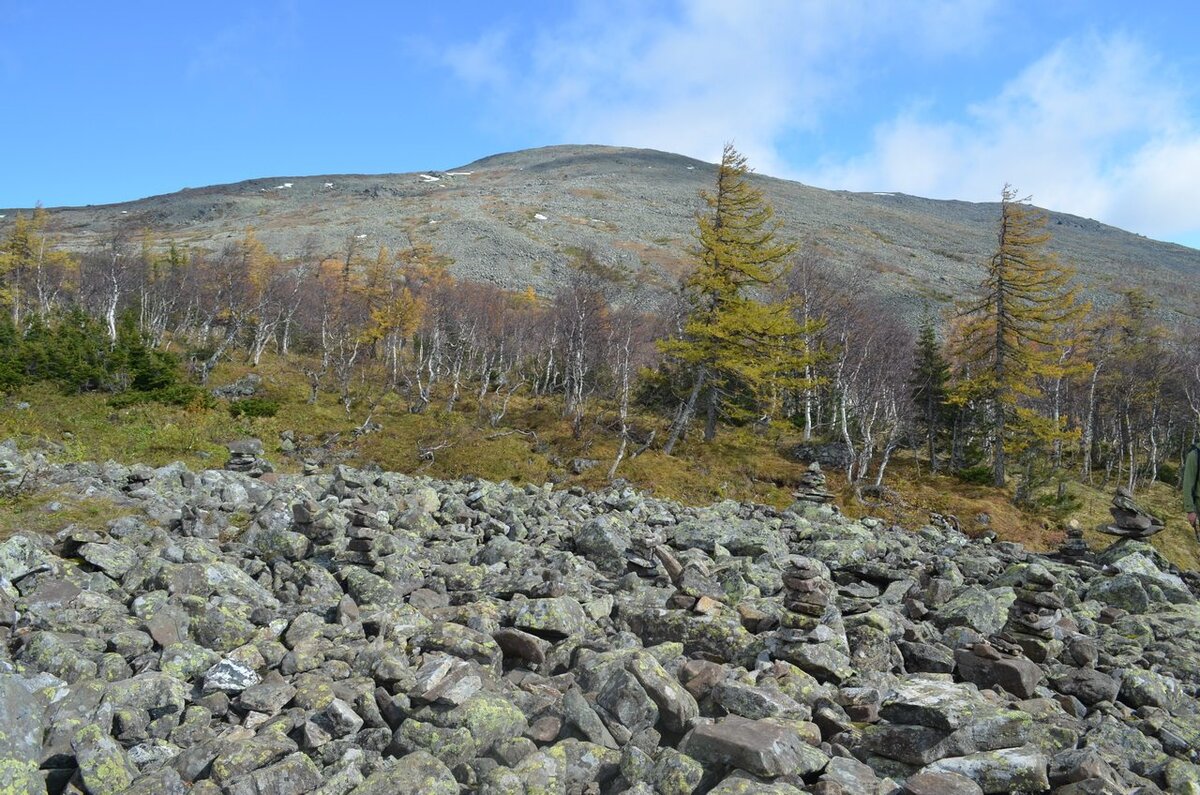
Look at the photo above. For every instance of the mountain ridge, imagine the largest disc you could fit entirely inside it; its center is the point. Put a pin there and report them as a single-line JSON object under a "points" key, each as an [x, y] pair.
{"points": [[524, 217]]}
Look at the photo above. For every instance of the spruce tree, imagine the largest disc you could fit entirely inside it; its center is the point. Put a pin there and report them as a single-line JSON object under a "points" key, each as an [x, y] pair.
{"points": [[930, 375], [1009, 331], [733, 345]]}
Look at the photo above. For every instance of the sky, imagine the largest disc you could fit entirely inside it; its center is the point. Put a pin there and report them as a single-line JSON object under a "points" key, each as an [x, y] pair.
{"points": [[1088, 106]]}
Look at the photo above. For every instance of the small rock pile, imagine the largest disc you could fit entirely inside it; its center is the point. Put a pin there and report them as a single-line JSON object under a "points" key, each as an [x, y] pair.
{"points": [[1074, 547], [1035, 617], [812, 486], [811, 634], [246, 456], [244, 387], [360, 632], [1130, 520]]}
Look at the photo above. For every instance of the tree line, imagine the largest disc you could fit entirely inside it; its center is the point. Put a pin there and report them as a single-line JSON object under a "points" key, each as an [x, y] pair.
{"points": [[1021, 378]]}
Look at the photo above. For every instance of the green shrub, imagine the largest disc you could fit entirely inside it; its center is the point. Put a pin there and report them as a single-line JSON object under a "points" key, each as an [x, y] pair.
{"points": [[253, 407], [980, 475], [1169, 474], [183, 395]]}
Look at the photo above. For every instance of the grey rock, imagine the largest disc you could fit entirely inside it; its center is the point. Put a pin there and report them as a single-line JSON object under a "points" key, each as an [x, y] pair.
{"points": [[940, 783], [559, 617], [627, 703], [675, 773], [230, 676], [756, 746], [418, 773], [1088, 685], [935, 703], [103, 765], [1005, 771], [1018, 676], [292, 775], [677, 708], [583, 717], [748, 701], [979, 608], [21, 722], [604, 540]]}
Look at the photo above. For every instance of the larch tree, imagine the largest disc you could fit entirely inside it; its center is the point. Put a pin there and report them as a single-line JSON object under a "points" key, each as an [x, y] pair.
{"points": [[1009, 333], [733, 345]]}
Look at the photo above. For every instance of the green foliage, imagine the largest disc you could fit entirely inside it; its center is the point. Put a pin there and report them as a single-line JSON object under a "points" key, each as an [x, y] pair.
{"points": [[929, 384], [188, 396], [735, 347], [980, 475], [253, 407], [1059, 504], [73, 351], [1168, 473], [655, 389], [11, 375], [136, 365]]}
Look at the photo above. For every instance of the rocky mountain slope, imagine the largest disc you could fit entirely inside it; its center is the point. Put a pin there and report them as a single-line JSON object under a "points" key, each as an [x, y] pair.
{"points": [[366, 632], [522, 218]]}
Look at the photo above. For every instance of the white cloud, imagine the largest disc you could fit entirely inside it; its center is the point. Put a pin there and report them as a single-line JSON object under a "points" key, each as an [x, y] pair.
{"points": [[707, 71], [1095, 128]]}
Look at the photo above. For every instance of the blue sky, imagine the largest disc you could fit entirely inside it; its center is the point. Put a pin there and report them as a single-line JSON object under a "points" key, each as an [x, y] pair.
{"points": [[1090, 106]]}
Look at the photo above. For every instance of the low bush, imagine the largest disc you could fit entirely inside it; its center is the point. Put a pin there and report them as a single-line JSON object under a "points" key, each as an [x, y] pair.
{"points": [[253, 407]]}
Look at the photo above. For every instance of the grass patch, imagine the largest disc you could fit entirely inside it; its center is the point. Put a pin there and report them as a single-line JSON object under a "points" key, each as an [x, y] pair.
{"points": [[51, 511]]}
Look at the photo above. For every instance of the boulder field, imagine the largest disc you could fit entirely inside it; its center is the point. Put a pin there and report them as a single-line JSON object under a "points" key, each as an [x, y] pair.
{"points": [[370, 633]]}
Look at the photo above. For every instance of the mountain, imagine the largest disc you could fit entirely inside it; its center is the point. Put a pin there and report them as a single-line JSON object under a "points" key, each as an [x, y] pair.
{"points": [[523, 218]]}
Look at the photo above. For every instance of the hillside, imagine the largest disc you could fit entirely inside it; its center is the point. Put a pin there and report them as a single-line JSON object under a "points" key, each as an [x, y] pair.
{"points": [[521, 218]]}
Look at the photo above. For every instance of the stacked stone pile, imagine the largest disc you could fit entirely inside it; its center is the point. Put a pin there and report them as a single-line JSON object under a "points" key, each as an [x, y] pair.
{"points": [[1035, 619], [363, 632], [1129, 519], [812, 486], [1074, 546], [246, 456]]}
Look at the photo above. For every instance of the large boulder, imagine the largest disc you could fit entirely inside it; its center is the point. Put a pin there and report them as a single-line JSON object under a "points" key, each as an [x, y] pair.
{"points": [[760, 747]]}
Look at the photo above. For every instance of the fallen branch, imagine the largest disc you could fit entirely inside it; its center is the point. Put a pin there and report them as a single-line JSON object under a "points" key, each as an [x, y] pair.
{"points": [[501, 435], [645, 446]]}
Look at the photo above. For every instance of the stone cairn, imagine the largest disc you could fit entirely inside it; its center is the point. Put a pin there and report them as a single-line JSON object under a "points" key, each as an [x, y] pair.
{"points": [[367, 533], [1033, 619], [811, 632], [812, 486], [1075, 547], [245, 455], [808, 597], [1129, 519]]}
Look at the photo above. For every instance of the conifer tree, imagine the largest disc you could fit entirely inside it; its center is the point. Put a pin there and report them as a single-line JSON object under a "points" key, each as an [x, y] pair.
{"points": [[732, 343], [1009, 331], [929, 379]]}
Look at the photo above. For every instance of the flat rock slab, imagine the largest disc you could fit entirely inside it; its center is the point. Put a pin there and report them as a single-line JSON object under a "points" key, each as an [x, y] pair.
{"points": [[756, 746], [940, 784], [936, 703], [1024, 769]]}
